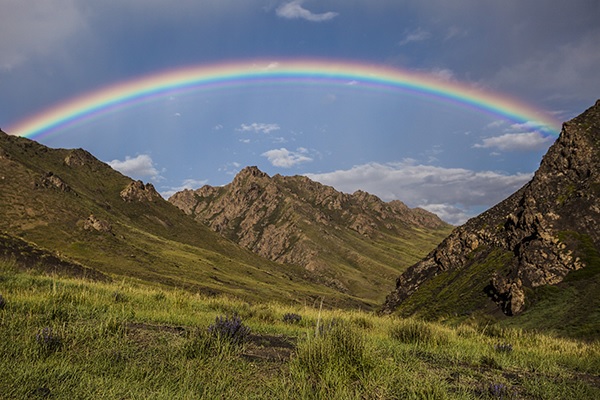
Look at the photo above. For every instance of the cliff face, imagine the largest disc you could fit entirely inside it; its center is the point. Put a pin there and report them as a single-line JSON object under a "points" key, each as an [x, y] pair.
{"points": [[294, 220], [535, 237]]}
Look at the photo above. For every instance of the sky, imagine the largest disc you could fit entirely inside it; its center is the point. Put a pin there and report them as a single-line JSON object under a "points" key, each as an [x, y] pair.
{"points": [[428, 151]]}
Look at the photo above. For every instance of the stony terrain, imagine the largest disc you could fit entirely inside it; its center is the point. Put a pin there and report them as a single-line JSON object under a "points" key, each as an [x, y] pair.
{"points": [[536, 237]]}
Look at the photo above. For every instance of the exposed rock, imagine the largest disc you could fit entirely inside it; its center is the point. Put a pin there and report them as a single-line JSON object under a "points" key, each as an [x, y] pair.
{"points": [[93, 223], [294, 220], [79, 158], [534, 224], [49, 180], [140, 192]]}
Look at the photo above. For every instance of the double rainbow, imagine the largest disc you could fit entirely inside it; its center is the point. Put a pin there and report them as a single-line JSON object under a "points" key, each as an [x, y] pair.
{"points": [[248, 73]]}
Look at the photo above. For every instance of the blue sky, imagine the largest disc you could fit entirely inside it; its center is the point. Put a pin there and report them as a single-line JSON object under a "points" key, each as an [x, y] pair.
{"points": [[449, 159]]}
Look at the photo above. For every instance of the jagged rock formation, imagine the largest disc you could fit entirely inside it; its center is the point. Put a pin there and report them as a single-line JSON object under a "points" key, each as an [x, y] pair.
{"points": [[533, 238], [49, 180], [294, 220], [93, 223], [80, 158], [138, 191]]}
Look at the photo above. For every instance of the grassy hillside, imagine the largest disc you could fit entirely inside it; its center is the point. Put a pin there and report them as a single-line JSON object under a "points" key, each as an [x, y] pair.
{"points": [[570, 308], [47, 200], [71, 338]]}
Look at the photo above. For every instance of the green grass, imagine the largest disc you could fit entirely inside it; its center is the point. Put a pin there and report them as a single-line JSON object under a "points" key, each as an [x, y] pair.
{"points": [[130, 340], [457, 292]]}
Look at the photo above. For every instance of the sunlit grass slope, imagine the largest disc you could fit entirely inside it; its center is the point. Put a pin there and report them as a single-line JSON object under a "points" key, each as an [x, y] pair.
{"points": [[149, 240], [71, 338]]}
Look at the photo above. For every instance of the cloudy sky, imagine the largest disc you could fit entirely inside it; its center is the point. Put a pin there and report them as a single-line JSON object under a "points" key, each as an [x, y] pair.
{"points": [[448, 158]]}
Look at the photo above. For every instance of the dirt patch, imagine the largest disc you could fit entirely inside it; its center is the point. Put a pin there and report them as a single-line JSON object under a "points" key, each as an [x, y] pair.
{"points": [[269, 348]]}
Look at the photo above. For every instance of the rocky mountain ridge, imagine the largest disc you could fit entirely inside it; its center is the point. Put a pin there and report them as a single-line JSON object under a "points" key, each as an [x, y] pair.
{"points": [[294, 220], [536, 237]]}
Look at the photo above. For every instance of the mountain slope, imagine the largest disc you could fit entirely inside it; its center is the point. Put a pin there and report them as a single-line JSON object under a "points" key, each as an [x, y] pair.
{"points": [[66, 208], [545, 234], [354, 243]]}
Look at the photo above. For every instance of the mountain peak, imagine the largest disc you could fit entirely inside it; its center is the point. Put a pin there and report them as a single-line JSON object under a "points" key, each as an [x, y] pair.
{"points": [[252, 171], [294, 220], [533, 238]]}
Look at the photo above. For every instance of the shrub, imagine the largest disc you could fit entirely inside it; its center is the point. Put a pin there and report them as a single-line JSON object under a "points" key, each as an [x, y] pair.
{"points": [[292, 318], [499, 391], [231, 329], [48, 340], [2, 302]]}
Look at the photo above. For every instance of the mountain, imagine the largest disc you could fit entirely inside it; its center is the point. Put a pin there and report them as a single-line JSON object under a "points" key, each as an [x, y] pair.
{"points": [[354, 243], [540, 246], [65, 211]]}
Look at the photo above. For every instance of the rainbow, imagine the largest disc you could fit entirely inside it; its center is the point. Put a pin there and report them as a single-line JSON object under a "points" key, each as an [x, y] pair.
{"points": [[121, 95]]}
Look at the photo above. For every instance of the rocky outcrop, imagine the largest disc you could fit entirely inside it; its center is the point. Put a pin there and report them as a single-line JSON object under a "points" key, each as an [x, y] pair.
{"points": [[80, 158], [49, 180], [137, 191], [93, 223], [541, 225]]}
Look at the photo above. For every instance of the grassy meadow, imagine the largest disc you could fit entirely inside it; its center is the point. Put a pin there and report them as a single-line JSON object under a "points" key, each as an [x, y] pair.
{"points": [[63, 337]]}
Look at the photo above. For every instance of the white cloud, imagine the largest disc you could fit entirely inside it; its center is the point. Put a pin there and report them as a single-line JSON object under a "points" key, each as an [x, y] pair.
{"points": [[259, 128], [294, 10], [528, 141], [456, 193], [186, 184], [448, 213], [285, 158], [139, 166], [417, 35]]}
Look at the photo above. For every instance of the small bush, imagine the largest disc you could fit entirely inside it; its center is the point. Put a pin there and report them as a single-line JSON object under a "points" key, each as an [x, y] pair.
{"points": [[48, 340], [231, 329], [2, 302], [292, 318], [499, 391]]}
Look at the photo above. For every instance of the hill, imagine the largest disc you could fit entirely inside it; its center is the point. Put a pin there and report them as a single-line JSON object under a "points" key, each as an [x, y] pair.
{"points": [[354, 243], [538, 250], [64, 210]]}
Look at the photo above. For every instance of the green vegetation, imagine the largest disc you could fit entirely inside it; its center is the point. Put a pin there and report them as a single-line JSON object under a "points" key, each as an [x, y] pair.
{"points": [[73, 338], [458, 292], [155, 242]]}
